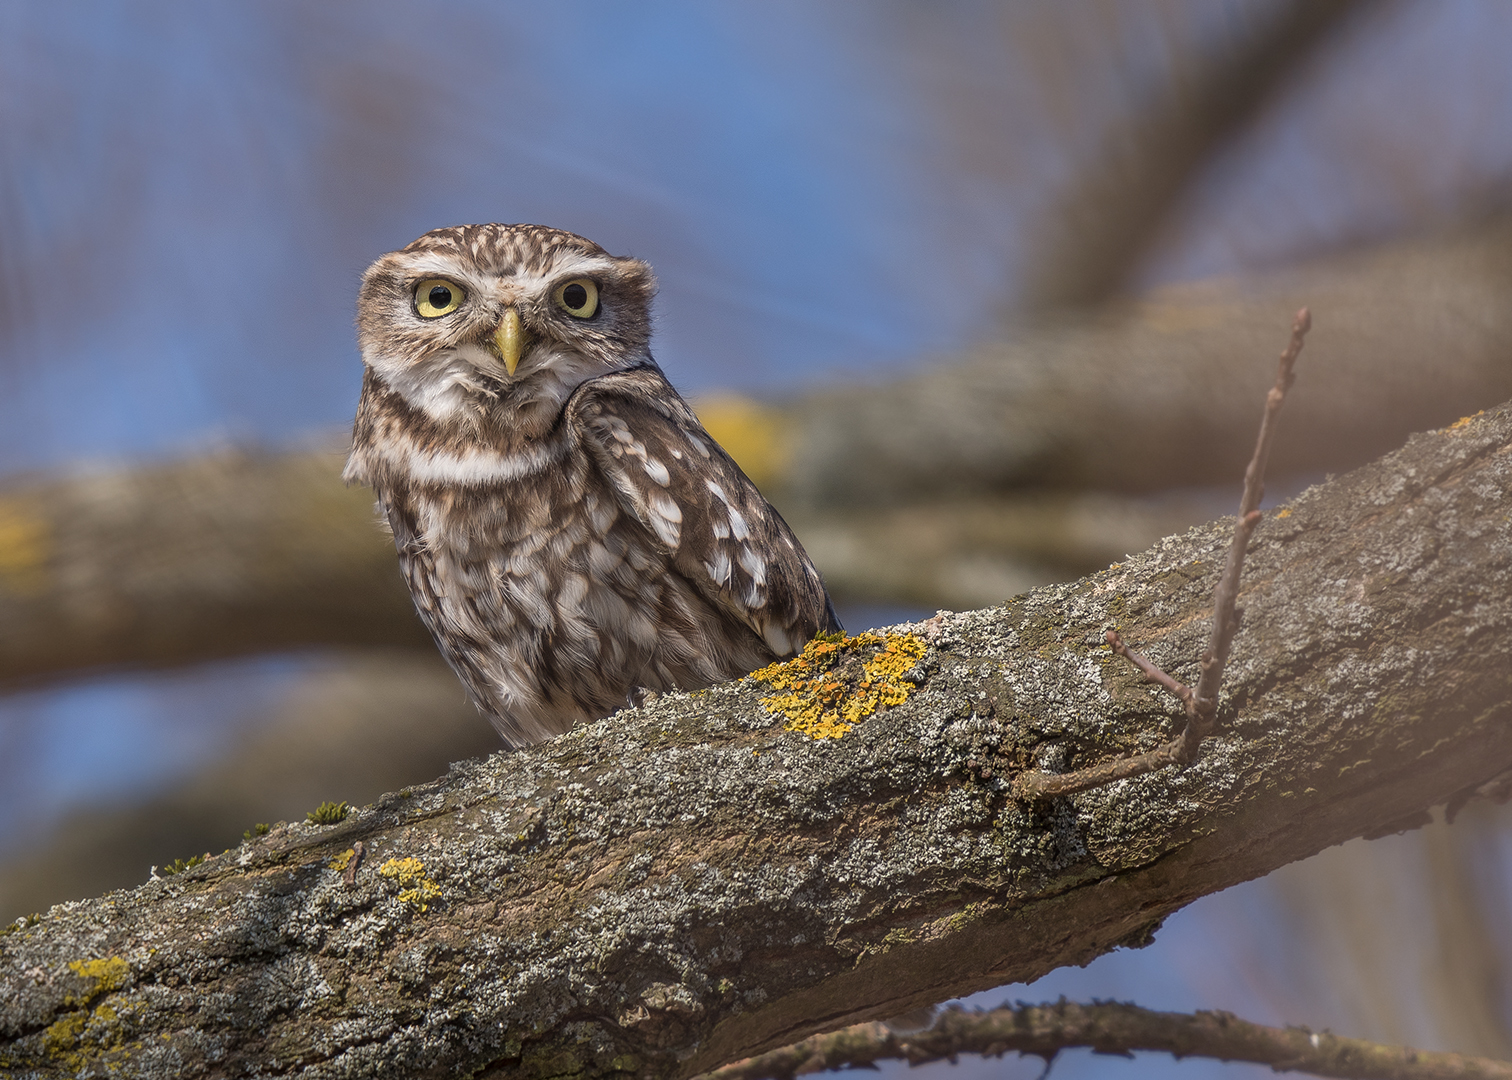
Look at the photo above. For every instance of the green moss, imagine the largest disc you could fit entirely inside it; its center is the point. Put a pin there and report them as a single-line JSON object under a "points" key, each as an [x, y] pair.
{"points": [[838, 681], [550, 1061], [963, 918], [178, 866], [328, 813], [260, 829], [26, 922]]}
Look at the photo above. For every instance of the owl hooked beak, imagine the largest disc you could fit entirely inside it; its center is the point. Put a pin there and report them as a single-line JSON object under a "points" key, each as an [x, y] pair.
{"points": [[511, 339]]}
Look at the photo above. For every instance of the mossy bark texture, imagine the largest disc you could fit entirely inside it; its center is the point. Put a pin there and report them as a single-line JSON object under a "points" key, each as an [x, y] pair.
{"points": [[689, 883]]}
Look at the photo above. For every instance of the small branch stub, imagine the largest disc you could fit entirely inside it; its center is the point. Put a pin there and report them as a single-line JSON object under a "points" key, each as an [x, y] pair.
{"points": [[1201, 704]]}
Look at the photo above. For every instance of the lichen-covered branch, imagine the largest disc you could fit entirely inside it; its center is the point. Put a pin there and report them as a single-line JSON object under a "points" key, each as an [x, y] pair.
{"points": [[686, 885], [1113, 1028]]}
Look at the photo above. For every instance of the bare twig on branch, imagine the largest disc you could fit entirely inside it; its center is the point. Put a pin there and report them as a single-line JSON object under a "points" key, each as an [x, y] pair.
{"points": [[349, 877], [1201, 705], [1112, 1028]]}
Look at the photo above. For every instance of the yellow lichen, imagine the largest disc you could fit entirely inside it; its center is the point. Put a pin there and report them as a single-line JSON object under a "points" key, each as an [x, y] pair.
{"points": [[1284, 512], [752, 433], [1464, 421], [78, 1037], [825, 696], [342, 861], [411, 872], [104, 976], [24, 544], [63, 1035]]}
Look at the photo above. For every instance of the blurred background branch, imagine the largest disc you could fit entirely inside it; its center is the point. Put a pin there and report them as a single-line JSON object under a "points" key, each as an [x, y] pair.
{"points": [[1107, 219], [223, 555]]}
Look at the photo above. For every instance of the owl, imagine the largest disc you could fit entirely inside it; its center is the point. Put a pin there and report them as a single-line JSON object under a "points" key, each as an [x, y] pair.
{"points": [[570, 533]]}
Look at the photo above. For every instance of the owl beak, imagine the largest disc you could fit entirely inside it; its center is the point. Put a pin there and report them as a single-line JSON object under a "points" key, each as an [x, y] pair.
{"points": [[511, 339]]}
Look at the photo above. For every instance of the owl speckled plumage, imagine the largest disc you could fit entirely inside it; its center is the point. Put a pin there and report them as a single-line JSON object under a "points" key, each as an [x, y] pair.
{"points": [[569, 531]]}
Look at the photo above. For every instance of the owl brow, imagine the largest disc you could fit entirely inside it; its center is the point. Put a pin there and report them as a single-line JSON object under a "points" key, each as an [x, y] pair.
{"points": [[451, 269], [592, 266]]}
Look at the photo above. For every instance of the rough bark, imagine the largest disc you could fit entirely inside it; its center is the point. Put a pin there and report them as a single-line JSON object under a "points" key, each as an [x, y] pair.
{"points": [[688, 884]]}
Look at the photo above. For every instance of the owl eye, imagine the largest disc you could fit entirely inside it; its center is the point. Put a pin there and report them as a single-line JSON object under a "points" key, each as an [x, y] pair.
{"points": [[579, 298], [435, 297]]}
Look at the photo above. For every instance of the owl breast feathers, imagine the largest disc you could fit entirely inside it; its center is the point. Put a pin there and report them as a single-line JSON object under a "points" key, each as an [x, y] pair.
{"points": [[569, 532]]}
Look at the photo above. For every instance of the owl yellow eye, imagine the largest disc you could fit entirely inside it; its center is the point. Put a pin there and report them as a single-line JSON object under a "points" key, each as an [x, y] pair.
{"points": [[579, 297], [435, 297]]}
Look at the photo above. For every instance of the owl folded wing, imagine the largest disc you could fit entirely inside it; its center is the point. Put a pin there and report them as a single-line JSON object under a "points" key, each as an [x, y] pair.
{"points": [[719, 532]]}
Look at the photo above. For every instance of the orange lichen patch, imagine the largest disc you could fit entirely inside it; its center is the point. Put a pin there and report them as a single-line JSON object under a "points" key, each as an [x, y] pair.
{"points": [[411, 872], [1284, 512], [838, 681], [1464, 421]]}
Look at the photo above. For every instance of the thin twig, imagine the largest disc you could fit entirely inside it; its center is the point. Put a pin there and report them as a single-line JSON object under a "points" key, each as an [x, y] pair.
{"points": [[1201, 704], [1112, 1028], [350, 877]]}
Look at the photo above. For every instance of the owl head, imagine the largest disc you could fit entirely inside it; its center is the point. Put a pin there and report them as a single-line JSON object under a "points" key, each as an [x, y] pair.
{"points": [[501, 322]]}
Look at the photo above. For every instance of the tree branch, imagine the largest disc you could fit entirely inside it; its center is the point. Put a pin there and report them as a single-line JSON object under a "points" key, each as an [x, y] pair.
{"points": [[1161, 391], [1113, 1028], [1112, 210], [240, 553], [1200, 705], [689, 884], [225, 555]]}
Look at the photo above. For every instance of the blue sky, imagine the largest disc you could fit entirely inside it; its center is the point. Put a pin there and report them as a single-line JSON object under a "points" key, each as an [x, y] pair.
{"points": [[190, 192]]}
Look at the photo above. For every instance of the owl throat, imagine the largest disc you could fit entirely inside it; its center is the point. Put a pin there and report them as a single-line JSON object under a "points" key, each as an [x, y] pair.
{"points": [[466, 389]]}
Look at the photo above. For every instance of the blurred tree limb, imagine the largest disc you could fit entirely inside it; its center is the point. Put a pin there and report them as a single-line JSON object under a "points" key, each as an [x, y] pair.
{"points": [[685, 885], [1110, 214], [356, 724], [1160, 392], [1113, 1028], [228, 554], [962, 485]]}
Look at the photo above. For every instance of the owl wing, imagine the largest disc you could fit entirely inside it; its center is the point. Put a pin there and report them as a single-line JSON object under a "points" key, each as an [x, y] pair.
{"points": [[718, 531]]}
